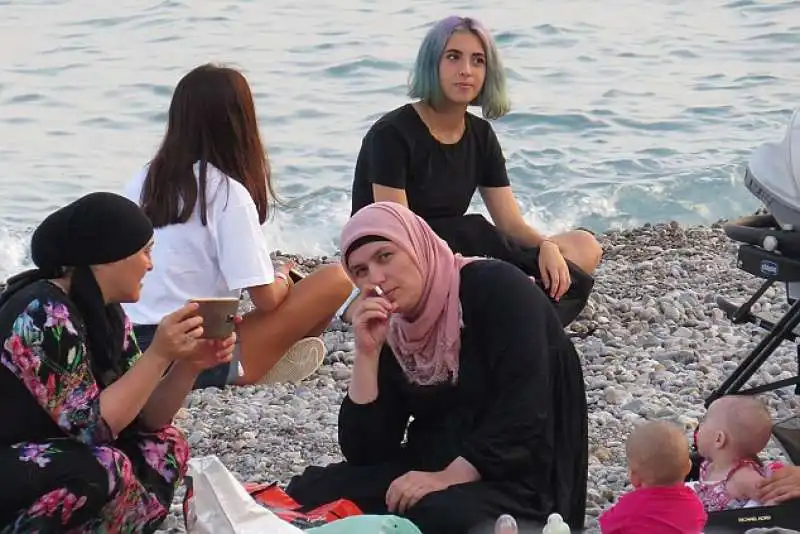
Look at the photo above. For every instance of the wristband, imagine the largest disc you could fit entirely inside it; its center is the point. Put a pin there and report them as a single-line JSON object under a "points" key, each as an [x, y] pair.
{"points": [[283, 277]]}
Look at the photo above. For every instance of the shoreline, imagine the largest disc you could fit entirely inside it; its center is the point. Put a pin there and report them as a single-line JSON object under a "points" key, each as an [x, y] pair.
{"points": [[657, 345], [309, 262]]}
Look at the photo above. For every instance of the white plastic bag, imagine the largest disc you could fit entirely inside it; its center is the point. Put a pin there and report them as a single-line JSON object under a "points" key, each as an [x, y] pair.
{"points": [[219, 504]]}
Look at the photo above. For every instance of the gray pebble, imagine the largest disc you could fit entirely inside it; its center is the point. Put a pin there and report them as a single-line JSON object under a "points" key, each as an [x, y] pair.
{"points": [[661, 348]]}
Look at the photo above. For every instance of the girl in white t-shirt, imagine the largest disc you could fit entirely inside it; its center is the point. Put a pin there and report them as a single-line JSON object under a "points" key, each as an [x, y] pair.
{"points": [[207, 192]]}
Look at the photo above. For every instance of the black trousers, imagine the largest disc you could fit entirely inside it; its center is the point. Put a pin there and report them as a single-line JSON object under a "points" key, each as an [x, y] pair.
{"points": [[462, 509], [473, 235]]}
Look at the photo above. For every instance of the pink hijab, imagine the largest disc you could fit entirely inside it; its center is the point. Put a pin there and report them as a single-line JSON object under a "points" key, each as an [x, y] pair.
{"points": [[427, 346]]}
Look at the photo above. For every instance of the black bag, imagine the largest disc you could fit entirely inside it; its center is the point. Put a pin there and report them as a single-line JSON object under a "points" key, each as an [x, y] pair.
{"points": [[785, 515], [473, 235]]}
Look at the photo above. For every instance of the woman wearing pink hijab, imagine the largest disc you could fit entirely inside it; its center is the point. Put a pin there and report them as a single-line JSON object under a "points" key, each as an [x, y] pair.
{"points": [[476, 354]]}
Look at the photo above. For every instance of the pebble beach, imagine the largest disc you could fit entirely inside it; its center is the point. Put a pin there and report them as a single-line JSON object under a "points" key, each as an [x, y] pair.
{"points": [[652, 340]]}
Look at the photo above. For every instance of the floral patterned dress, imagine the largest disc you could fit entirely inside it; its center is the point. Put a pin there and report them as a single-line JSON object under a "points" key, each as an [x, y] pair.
{"points": [[62, 468]]}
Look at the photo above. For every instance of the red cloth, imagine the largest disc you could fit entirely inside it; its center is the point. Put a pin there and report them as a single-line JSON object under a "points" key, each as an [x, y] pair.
{"points": [[657, 510]]}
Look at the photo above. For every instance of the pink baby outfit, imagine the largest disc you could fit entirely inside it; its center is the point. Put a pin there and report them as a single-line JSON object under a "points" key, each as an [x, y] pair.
{"points": [[715, 496]]}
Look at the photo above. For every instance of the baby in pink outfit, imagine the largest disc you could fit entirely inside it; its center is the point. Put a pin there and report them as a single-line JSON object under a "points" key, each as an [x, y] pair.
{"points": [[735, 430]]}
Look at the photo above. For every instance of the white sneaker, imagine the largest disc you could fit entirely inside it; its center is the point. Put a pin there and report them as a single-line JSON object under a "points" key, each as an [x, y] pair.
{"points": [[299, 362]]}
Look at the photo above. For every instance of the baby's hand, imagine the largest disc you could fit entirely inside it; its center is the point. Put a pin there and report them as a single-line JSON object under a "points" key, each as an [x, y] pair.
{"points": [[745, 483]]}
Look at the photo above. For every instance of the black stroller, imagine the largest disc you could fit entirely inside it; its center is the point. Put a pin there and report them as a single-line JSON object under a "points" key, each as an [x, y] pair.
{"points": [[770, 250]]}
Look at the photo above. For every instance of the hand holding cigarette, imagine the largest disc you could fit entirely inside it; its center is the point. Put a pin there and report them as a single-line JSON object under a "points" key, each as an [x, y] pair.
{"points": [[371, 322]]}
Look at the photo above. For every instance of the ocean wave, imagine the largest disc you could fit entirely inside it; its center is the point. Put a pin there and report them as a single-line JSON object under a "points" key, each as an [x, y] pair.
{"points": [[612, 123]]}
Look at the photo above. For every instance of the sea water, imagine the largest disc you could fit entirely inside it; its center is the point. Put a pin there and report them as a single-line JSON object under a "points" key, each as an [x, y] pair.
{"points": [[624, 112]]}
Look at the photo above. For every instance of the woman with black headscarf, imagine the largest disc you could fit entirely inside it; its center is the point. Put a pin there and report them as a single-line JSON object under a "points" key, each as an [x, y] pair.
{"points": [[86, 441]]}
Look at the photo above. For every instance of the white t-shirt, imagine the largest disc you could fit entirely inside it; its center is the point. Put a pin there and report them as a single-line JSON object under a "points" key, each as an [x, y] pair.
{"points": [[190, 260]]}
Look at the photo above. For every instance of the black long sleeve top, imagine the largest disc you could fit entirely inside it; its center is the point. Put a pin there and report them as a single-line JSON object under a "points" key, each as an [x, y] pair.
{"points": [[517, 412]]}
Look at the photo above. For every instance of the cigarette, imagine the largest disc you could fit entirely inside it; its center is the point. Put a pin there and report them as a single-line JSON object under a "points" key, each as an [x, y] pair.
{"points": [[378, 291]]}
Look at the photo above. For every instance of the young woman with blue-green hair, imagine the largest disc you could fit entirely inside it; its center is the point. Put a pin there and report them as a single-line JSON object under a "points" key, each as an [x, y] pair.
{"points": [[432, 155]]}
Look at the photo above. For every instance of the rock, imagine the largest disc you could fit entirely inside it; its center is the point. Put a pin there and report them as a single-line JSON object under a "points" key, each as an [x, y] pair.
{"points": [[635, 406]]}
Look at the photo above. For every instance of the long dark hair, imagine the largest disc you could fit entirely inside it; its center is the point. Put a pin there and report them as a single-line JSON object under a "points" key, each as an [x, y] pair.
{"points": [[212, 119]]}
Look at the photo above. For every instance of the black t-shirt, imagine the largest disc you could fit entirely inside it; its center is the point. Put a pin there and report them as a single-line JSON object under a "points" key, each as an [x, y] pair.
{"points": [[439, 179]]}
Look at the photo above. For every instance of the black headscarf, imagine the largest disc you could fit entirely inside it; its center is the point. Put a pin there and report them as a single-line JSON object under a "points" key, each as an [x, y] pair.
{"points": [[360, 242], [95, 229]]}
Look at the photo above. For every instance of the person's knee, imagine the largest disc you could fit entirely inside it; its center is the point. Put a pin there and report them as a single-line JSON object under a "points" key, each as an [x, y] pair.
{"points": [[179, 446], [318, 485], [582, 248], [443, 512], [121, 473], [120, 470], [311, 487], [342, 282], [593, 248], [336, 281]]}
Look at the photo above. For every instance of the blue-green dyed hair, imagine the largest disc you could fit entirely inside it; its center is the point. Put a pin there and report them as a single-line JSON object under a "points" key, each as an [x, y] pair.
{"points": [[425, 85]]}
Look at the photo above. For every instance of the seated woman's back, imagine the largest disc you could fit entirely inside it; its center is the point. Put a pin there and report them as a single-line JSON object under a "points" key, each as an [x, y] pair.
{"points": [[439, 179], [208, 191], [192, 259]]}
